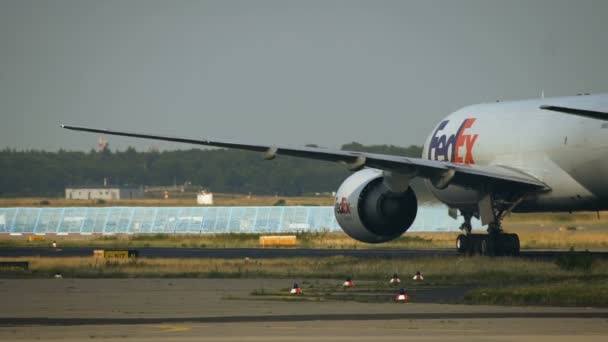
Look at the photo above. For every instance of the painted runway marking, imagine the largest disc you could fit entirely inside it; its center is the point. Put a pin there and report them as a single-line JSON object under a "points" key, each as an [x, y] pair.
{"points": [[172, 328]]}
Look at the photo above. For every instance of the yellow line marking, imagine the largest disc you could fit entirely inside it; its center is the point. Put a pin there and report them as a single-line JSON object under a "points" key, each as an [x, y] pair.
{"points": [[173, 328]]}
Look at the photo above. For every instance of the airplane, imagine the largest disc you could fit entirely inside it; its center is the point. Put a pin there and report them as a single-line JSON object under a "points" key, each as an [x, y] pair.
{"points": [[484, 161]]}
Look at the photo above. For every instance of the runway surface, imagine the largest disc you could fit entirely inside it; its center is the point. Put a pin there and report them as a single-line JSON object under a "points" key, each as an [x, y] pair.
{"points": [[225, 310], [458, 330], [297, 318], [262, 252]]}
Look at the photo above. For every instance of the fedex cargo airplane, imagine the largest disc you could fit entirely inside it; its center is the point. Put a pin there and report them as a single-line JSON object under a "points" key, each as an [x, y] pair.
{"points": [[485, 161]]}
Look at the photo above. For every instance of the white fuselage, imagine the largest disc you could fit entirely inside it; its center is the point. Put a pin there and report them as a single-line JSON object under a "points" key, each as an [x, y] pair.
{"points": [[567, 152]]}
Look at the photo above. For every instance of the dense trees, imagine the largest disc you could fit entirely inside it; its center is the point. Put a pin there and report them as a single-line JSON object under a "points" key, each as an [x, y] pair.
{"points": [[40, 173]]}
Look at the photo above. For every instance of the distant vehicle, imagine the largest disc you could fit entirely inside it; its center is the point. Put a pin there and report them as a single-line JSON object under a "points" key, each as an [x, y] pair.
{"points": [[484, 161]]}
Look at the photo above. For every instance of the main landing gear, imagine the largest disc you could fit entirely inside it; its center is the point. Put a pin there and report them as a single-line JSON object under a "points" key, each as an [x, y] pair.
{"points": [[501, 244], [495, 243]]}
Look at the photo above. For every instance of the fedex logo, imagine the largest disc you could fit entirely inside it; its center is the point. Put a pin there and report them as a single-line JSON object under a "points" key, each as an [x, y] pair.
{"points": [[457, 148]]}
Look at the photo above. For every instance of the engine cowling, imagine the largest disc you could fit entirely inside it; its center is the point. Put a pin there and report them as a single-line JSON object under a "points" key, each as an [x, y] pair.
{"points": [[368, 211]]}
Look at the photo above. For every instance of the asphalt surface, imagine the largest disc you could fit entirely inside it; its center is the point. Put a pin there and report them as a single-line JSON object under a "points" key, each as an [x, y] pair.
{"points": [[145, 310], [263, 252], [296, 318]]}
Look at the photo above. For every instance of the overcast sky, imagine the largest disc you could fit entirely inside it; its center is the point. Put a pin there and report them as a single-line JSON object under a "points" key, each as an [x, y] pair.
{"points": [[293, 72]]}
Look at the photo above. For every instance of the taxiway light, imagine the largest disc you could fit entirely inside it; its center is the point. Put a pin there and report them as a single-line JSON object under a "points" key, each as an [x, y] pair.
{"points": [[348, 283], [402, 296], [296, 290]]}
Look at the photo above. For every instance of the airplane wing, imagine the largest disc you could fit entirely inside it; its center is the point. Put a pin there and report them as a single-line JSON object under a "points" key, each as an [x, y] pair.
{"points": [[465, 175], [593, 114]]}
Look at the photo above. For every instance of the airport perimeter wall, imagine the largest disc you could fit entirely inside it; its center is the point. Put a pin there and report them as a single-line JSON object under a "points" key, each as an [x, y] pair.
{"points": [[192, 220]]}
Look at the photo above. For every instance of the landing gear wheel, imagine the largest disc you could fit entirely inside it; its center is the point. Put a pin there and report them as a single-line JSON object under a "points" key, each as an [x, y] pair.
{"points": [[475, 243], [462, 243], [500, 245], [488, 246], [516, 245], [469, 244], [512, 244]]}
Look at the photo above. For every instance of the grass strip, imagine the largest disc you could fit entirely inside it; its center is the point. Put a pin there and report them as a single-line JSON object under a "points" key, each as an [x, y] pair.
{"points": [[568, 293], [579, 240], [437, 270]]}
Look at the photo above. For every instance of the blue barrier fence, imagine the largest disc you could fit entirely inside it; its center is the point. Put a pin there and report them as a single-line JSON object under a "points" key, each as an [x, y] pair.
{"points": [[192, 220]]}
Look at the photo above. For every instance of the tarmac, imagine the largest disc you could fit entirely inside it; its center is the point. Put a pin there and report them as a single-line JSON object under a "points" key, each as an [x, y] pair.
{"points": [[225, 310]]}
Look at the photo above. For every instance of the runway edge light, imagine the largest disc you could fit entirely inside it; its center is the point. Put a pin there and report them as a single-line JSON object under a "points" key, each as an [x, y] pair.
{"points": [[348, 283], [295, 290], [402, 296]]}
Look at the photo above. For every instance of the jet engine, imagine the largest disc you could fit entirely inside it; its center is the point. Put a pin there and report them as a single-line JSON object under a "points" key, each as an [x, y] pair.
{"points": [[368, 211]]}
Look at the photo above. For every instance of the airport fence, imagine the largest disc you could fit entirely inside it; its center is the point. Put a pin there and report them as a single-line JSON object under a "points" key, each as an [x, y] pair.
{"points": [[191, 220]]}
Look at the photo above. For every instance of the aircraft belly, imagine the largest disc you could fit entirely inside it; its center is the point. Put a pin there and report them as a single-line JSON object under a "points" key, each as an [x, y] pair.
{"points": [[592, 175], [549, 204], [455, 196]]}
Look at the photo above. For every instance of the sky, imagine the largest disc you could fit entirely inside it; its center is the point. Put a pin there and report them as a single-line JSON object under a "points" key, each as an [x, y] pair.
{"points": [[285, 72]]}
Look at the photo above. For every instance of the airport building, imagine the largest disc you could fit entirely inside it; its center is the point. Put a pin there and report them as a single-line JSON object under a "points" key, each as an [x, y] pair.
{"points": [[106, 193]]}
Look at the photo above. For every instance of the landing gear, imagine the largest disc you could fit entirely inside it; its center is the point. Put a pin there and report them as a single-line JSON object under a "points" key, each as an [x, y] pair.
{"points": [[469, 244], [495, 243], [499, 244], [466, 226], [491, 209]]}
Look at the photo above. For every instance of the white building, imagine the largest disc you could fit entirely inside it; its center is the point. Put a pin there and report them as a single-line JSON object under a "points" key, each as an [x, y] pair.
{"points": [[103, 193], [204, 198]]}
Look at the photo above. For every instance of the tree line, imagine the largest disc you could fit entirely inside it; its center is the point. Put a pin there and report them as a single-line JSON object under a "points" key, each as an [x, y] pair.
{"points": [[43, 173]]}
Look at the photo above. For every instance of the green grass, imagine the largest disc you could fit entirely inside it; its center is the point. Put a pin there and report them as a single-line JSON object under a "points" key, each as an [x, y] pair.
{"points": [[363, 292], [225, 240], [566, 293], [437, 270], [530, 239]]}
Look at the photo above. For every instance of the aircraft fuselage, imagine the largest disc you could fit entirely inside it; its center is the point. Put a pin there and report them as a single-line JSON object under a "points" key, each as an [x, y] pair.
{"points": [[567, 152]]}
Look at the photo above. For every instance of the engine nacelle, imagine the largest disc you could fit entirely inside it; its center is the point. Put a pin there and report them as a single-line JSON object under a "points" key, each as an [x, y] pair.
{"points": [[369, 212]]}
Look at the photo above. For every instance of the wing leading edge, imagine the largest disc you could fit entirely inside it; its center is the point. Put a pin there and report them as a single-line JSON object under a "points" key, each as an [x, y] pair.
{"points": [[466, 175]]}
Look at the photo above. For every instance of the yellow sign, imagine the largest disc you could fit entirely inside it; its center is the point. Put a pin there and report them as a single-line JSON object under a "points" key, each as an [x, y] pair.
{"points": [[278, 240], [35, 238], [116, 254]]}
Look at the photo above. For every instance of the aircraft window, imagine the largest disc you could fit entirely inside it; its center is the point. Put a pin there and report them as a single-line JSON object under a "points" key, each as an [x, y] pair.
{"points": [[605, 125]]}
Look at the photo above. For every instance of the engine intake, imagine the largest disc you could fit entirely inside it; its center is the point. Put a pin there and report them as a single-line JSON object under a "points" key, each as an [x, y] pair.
{"points": [[368, 211]]}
